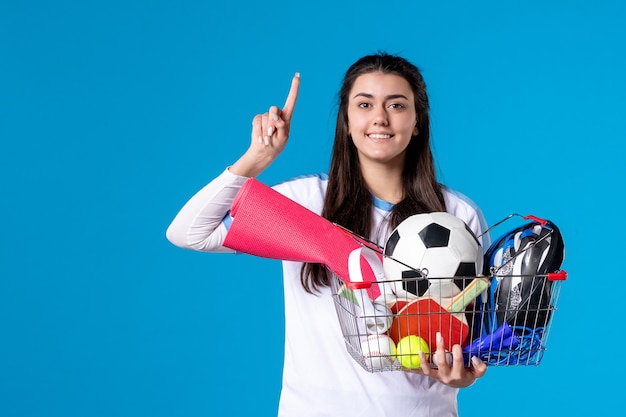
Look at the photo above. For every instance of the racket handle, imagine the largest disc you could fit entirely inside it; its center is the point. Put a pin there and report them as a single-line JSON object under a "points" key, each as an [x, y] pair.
{"points": [[473, 289]]}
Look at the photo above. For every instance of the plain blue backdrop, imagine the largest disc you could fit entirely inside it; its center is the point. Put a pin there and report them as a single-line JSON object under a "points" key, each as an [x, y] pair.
{"points": [[113, 113]]}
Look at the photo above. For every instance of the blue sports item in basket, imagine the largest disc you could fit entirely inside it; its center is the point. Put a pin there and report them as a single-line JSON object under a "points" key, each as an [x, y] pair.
{"points": [[508, 346], [502, 339], [519, 260]]}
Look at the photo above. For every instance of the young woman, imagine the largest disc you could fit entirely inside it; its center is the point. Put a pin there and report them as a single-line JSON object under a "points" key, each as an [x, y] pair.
{"points": [[381, 172]]}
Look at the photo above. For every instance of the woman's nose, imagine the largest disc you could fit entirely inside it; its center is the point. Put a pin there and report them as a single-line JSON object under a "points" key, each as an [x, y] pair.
{"points": [[380, 118]]}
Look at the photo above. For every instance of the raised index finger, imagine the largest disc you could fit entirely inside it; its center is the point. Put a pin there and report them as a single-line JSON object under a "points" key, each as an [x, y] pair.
{"points": [[290, 103]]}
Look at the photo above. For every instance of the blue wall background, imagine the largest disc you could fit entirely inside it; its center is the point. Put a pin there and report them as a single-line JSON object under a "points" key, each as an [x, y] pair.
{"points": [[112, 113]]}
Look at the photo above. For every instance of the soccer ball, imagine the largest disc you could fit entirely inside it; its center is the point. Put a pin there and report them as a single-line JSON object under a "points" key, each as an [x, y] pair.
{"points": [[437, 246]]}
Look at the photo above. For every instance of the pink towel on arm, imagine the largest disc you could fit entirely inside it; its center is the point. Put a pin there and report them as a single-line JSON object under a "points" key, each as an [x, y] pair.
{"points": [[269, 225]]}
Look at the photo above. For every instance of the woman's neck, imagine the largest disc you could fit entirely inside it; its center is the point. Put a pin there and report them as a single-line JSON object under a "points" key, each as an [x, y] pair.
{"points": [[384, 182]]}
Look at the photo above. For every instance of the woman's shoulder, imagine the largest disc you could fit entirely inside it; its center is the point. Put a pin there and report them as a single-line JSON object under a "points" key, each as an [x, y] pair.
{"points": [[456, 200], [466, 209]]}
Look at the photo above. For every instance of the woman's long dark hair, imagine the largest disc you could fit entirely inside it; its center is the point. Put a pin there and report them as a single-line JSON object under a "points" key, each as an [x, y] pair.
{"points": [[348, 201]]}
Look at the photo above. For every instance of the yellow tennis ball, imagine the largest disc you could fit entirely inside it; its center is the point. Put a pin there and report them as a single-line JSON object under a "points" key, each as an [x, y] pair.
{"points": [[408, 351]]}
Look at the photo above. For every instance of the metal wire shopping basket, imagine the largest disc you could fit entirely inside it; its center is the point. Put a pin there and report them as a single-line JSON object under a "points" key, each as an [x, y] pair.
{"points": [[503, 317]]}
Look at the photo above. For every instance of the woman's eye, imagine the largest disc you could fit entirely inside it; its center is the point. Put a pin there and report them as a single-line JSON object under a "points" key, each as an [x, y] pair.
{"points": [[364, 105], [396, 106]]}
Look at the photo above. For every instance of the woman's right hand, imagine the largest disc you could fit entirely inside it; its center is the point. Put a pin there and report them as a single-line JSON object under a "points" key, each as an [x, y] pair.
{"points": [[270, 132]]}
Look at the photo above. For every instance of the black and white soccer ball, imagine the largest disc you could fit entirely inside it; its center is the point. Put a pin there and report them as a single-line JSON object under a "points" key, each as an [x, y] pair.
{"points": [[427, 251]]}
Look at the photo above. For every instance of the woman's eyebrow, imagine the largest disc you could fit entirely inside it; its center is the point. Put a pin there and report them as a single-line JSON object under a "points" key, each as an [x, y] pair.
{"points": [[392, 96], [389, 97]]}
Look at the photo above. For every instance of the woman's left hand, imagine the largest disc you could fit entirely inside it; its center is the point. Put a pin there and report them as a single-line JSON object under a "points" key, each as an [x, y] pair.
{"points": [[454, 374]]}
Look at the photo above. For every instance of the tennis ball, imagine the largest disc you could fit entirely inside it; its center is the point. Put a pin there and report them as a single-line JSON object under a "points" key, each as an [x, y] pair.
{"points": [[408, 351]]}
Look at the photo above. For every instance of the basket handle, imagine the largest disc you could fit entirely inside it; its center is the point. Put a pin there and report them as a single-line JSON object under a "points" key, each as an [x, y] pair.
{"points": [[539, 220]]}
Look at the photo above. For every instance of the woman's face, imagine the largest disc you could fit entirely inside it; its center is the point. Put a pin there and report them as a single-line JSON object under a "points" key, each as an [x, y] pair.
{"points": [[381, 118]]}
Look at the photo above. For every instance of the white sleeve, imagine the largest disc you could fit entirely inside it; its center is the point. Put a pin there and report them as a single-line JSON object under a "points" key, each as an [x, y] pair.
{"points": [[463, 207], [199, 223]]}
